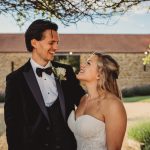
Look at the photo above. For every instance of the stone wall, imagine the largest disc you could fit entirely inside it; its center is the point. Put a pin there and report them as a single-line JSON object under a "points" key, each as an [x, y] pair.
{"points": [[131, 67], [5, 65]]}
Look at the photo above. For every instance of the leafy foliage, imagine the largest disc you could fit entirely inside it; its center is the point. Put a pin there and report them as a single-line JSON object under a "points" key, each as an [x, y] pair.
{"points": [[136, 91], [136, 99], [146, 59], [68, 11], [141, 133]]}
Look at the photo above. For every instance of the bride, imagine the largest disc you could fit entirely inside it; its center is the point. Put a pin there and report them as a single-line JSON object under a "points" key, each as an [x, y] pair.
{"points": [[99, 122]]}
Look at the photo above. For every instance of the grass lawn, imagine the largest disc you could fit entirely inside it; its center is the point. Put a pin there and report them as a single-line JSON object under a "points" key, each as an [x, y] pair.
{"points": [[137, 99], [141, 133]]}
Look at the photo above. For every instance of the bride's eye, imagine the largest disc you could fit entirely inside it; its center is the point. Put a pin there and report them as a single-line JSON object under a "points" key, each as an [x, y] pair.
{"points": [[88, 63]]}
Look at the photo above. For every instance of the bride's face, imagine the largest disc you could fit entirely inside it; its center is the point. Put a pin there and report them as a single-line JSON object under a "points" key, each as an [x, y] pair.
{"points": [[89, 70]]}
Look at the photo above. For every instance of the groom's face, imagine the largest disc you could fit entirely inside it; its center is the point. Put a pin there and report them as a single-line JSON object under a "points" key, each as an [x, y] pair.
{"points": [[44, 50]]}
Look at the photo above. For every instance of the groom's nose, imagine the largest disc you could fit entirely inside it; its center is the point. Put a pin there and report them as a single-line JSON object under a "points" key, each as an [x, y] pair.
{"points": [[55, 46]]}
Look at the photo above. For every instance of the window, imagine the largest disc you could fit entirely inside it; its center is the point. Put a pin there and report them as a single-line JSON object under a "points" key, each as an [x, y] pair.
{"points": [[73, 60]]}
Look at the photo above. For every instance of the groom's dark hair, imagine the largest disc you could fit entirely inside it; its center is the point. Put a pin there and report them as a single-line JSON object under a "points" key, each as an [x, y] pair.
{"points": [[36, 29]]}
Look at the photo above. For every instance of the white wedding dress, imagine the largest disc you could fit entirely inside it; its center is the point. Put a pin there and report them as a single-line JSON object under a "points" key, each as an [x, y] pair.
{"points": [[89, 132]]}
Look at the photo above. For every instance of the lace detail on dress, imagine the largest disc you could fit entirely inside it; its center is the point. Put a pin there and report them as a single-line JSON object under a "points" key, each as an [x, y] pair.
{"points": [[89, 132]]}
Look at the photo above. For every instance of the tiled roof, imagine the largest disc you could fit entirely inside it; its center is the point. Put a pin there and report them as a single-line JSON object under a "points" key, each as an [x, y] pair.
{"points": [[84, 43]]}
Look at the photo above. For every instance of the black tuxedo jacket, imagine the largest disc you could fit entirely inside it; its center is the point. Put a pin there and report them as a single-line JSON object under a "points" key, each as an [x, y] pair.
{"points": [[24, 105]]}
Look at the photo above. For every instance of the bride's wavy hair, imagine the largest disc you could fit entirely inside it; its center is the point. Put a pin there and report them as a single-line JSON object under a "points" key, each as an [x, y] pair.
{"points": [[108, 69]]}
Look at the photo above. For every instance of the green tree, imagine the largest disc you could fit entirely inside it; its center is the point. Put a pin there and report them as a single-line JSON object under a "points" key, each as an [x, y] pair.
{"points": [[69, 11], [146, 59]]}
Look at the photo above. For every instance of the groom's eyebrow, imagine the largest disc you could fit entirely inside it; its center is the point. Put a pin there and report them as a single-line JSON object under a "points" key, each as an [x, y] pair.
{"points": [[53, 41]]}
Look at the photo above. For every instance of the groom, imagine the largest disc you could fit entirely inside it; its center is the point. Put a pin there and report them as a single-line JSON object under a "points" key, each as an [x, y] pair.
{"points": [[37, 103]]}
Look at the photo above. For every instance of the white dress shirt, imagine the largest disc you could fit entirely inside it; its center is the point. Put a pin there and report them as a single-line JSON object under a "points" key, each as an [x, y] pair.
{"points": [[46, 83]]}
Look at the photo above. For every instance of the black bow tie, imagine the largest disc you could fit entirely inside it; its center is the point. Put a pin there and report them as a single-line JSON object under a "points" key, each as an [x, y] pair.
{"points": [[46, 70]]}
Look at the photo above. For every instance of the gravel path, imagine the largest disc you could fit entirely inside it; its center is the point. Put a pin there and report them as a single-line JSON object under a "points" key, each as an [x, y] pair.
{"points": [[135, 112]]}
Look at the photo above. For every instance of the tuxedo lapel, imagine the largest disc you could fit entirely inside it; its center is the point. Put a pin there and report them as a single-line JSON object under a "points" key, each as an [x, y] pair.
{"points": [[35, 89], [61, 97]]}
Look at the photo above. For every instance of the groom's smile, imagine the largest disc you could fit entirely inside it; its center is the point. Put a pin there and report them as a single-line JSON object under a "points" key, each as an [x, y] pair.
{"points": [[44, 49]]}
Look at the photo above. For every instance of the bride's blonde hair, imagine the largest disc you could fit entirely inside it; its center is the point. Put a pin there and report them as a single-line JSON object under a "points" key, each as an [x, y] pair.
{"points": [[108, 69]]}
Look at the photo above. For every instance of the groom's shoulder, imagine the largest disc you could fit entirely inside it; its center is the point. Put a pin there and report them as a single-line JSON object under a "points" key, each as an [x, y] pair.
{"points": [[15, 74]]}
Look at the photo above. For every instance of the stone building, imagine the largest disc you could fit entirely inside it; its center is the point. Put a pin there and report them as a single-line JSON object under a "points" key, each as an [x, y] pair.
{"points": [[127, 49]]}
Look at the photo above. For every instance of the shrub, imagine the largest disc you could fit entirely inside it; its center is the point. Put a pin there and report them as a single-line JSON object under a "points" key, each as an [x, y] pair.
{"points": [[136, 91], [141, 133], [2, 97]]}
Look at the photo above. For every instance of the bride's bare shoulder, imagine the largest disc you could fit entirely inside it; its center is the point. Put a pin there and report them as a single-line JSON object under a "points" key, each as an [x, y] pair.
{"points": [[83, 98], [111, 98], [113, 103]]}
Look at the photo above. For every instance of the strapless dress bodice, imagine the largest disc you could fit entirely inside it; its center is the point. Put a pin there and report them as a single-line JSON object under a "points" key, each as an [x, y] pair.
{"points": [[89, 132]]}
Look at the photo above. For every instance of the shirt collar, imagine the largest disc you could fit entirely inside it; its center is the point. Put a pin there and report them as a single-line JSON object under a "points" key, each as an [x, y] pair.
{"points": [[36, 65]]}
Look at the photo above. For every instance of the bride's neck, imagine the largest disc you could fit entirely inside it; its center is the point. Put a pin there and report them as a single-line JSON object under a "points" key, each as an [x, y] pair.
{"points": [[92, 91]]}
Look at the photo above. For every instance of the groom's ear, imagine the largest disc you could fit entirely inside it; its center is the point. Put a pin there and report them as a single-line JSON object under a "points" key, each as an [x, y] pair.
{"points": [[34, 43]]}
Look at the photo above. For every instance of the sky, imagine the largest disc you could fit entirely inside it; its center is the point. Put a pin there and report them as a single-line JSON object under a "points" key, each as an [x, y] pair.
{"points": [[137, 22]]}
